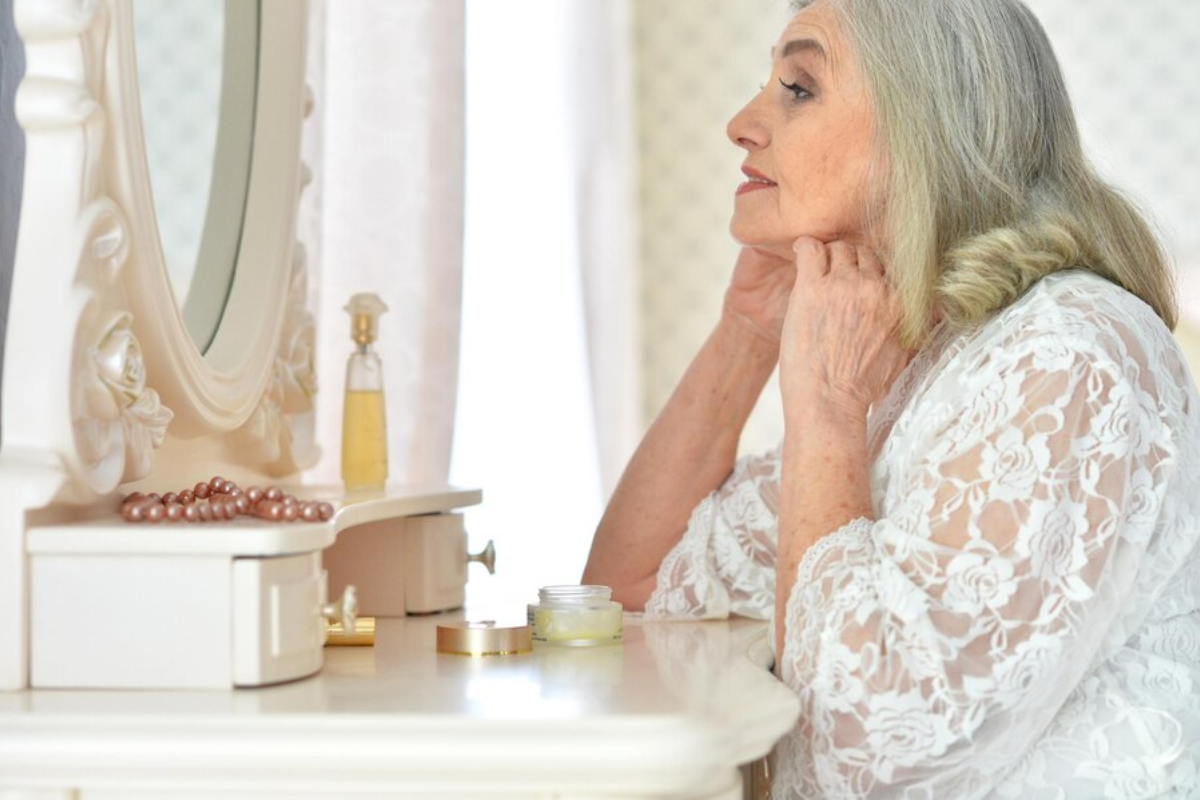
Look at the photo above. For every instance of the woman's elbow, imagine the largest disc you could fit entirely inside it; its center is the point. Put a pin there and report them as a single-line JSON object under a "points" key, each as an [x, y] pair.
{"points": [[633, 595]]}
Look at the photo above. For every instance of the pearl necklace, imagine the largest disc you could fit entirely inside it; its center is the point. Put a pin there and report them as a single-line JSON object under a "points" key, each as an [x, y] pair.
{"points": [[220, 499]]}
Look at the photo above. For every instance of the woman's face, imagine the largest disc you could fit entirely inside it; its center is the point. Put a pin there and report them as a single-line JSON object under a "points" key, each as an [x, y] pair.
{"points": [[808, 141]]}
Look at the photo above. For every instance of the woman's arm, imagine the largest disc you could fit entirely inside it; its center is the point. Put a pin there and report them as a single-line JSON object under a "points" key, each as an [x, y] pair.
{"points": [[687, 453], [825, 485], [690, 449], [840, 355]]}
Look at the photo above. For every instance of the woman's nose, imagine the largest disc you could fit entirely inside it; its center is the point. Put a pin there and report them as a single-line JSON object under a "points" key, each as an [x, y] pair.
{"points": [[746, 129]]}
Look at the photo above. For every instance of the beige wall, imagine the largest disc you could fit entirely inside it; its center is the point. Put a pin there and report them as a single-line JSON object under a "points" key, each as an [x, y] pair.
{"points": [[698, 62]]}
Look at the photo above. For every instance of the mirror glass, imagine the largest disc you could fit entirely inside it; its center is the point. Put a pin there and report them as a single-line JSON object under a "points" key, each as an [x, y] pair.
{"points": [[198, 74]]}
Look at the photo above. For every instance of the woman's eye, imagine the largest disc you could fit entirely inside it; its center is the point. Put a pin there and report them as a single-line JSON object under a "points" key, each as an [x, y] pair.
{"points": [[796, 89]]}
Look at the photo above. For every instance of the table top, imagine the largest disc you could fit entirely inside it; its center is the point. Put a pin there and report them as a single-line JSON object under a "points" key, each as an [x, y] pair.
{"points": [[672, 706]]}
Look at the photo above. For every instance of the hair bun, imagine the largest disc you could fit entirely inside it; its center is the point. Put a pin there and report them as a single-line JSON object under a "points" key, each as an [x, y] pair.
{"points": [[987, 272]]}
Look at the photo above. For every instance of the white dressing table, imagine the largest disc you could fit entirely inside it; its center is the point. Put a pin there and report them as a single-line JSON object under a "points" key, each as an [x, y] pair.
{"points": [[671, 713]]}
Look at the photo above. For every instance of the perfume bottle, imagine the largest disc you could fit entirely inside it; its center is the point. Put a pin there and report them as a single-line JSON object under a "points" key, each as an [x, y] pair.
{"points": [[364, 427]]}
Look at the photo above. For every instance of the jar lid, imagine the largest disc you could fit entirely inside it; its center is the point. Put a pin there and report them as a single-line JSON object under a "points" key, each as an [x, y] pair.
{"points": [[575, 595], [483, 639]]}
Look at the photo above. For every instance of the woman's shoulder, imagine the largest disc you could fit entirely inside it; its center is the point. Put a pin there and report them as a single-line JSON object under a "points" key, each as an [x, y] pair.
{"points": [[1084, 295], [1077, 329], [1084, 313]]}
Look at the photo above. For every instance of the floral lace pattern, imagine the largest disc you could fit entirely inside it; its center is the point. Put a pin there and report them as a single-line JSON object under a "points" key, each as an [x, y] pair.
{"points": [[1022, 617]]}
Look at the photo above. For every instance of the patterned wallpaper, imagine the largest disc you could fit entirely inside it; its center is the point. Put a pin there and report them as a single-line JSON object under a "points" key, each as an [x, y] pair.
{"points": [[698, 62], [1134, 72], [1133, 68]]}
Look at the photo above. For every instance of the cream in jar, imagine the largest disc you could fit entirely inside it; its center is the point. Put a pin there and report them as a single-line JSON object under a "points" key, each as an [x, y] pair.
{"points": [[576, 616]]}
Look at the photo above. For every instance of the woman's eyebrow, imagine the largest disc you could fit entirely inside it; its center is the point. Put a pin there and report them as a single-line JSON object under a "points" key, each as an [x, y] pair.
{"points": [[801, 45]]}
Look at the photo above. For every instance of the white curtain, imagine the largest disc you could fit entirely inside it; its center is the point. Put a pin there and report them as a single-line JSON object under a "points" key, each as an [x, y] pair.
{"points": [[600, 113], [548, 402], [391, 218], [548, 410]]}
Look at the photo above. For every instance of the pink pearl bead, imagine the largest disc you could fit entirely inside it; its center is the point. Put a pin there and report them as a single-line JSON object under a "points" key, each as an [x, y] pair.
{"points": [[290, 512], [289, 500], [235, 492], [273, 493], [325, 511], [186, 497], [154, 496], [174, 512], [129, 498], [217, 485], [169, 497], [202, 490], [204, 510], [254, 494], [270, 510], [155, 513], [133, 512], [243, 504], [191, 513]]}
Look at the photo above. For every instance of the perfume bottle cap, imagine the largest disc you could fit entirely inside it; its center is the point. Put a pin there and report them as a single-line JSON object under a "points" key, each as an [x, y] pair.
{"points": [[364, 309]]}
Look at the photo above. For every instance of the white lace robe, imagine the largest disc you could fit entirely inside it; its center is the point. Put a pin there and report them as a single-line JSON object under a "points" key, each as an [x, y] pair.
{"points": [[1020, 619]]}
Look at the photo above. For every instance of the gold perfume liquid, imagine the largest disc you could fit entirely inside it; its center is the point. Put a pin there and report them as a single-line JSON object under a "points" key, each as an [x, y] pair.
{"points": [[364, 440], [364, 429]]}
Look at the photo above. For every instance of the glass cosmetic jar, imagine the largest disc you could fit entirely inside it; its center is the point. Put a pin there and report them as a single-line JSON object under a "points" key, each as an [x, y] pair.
{"points": [[575, 616]]}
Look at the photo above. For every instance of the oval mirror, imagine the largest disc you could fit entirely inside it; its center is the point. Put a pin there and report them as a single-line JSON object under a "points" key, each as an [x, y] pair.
{"points": [[197, 68]]}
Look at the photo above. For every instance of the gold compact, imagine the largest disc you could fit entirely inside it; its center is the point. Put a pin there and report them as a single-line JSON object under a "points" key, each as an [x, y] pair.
{"points": [[483, 639]]}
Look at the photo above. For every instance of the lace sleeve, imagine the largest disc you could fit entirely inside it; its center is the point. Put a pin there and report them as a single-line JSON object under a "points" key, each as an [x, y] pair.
{"points": [[932, 646], [725, 562]]}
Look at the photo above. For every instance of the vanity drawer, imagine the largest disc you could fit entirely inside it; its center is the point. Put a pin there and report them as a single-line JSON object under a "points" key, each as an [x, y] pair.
{"points": [[174, 622], [278, 629], [412, 565]]}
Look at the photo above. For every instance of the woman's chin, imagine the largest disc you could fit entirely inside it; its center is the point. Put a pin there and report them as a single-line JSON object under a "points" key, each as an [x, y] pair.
{"points": [[764, 245], [755, 238]]}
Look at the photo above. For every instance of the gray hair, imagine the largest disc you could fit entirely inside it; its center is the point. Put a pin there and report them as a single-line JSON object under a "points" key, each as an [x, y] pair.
{"points": [[987, 187]]}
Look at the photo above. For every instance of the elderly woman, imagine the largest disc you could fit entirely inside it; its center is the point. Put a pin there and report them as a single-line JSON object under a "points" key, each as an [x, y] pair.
{"points": [[978, 538]]}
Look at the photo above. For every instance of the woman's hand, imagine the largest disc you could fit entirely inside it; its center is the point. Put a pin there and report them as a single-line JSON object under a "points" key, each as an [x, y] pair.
{"points": [[840, 350], [758, 292]]}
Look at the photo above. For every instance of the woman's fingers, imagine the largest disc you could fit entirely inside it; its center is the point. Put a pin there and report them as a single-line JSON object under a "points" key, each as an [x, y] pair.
{"points": [[816, 258], [812, 258], [869, 263], [842, 258]]}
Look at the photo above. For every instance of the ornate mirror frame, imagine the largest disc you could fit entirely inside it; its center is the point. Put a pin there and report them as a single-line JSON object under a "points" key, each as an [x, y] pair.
{"points": [[103, 385]]}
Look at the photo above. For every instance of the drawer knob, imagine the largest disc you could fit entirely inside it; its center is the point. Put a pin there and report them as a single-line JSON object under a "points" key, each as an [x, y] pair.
{"points": [[486, 556], [343, 611]]}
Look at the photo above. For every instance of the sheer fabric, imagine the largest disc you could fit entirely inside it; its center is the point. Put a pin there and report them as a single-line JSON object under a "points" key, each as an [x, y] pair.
{"points": [[1022, 617]]}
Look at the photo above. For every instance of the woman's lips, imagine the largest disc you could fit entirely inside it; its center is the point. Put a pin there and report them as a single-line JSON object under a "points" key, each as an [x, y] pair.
{"points": [[753, 186], [756, 181]]}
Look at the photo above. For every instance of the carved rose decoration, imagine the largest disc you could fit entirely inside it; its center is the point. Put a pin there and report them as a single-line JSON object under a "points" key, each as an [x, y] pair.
{"points": [[118, 414]]}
